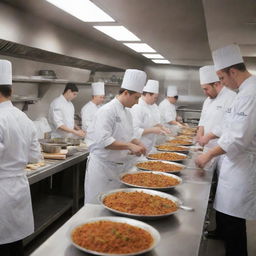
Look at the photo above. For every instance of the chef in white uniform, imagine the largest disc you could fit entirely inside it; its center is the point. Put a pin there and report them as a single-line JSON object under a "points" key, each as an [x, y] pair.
{"points": [[219, 100], [89, 110], [235, 199], [18, 146], [168, 109], [112, 138], [146, 125], [62, 112]]}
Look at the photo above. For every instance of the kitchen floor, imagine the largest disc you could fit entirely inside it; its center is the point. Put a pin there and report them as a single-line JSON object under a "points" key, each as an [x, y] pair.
{"points": [[216, 248]]}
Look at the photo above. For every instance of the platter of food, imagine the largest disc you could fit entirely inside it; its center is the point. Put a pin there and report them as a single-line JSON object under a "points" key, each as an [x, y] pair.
{"points": [[150, 180], [116, 236]]}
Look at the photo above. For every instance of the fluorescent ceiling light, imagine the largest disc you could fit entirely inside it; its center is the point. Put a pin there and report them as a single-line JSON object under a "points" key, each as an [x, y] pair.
{"points": [[84, 10], [153, 56], [162, 61], [140, 47], [120, 33]]}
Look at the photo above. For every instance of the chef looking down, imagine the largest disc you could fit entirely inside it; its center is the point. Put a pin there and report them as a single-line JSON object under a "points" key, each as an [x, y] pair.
{"points": [[112, 138], [219, 100], [62, 113], [168, 109], [235, 199], [89, 110], [18, 146], [145, 125]]}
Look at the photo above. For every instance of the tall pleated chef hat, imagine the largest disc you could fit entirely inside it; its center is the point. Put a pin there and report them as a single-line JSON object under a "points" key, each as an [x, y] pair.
{"points": [[227, 56], [172, 91], [5, 72], [134, 80], [208, 75], [98, 88], [152, 86]]}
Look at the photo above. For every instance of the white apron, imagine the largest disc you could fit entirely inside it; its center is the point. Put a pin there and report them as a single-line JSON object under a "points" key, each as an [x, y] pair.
{"points": [[105, 175], [236, 190], [16, 216]]}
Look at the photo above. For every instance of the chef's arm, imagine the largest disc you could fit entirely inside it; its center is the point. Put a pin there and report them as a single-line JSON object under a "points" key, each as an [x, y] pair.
{"points": [[175, 123], [79, 133], [136, 149], [206, 138], [155, 130], [203, 159], [200, 133]]}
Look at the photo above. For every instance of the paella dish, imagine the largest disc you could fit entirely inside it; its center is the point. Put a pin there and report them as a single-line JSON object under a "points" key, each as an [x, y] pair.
{"points": [[184, 137], [140, 203], [150, 180], [180, 142], [167, 147], [112, 237], [159, 166], [167, 156]]}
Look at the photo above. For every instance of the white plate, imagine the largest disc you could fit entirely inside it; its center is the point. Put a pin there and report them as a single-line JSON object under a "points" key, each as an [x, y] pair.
{"points": [[154, 188], [154, 233]]}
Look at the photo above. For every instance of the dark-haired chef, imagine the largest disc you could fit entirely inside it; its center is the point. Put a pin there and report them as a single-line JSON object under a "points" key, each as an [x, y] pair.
{"points": [[112, 140], [235, 200], [18, 146], [62, 113]]}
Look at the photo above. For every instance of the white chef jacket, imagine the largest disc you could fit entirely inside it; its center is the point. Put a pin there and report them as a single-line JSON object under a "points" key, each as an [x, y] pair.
{"points": [[214, 109], [236, 190], [142, 119], [61, 112], [113, 122], [88, 112], [155, 113], [18, 146], [167, 111]]}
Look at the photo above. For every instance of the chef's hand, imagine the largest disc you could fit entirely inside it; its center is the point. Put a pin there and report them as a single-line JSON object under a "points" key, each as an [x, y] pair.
{"points": [[137, 150], [159, 130], [202, 160], [79, 133]]}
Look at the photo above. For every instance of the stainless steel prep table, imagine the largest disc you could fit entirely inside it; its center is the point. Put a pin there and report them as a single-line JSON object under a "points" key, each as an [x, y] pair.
{"points": [[181, 233]]}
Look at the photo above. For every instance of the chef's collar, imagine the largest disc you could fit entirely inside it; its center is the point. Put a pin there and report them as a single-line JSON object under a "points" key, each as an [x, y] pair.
{"points": [[143, 102], [6, 104], [243, 84], [63, 98], [118, 103]]}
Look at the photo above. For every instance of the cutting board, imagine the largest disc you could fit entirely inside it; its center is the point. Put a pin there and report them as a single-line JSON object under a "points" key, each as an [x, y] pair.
{"points": [[61, 155]]}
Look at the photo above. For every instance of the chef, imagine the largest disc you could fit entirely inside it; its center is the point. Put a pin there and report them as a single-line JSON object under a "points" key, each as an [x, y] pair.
{"points": [[146, 125], [112, 138], [89, 110], [219, 100], [235, 199], [168, 109], [18, 146], [62, 113]]}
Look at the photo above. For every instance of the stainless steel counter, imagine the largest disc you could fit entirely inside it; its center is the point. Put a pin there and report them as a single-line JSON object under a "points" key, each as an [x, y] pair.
{"points": [[54, 166], [180, 233]]}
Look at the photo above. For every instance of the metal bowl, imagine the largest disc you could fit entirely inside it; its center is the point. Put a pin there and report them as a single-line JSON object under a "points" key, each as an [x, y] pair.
{"points": [[154, 188], [50, 148], [147, 191], [73, 141], [154, 233], [166, 162]]}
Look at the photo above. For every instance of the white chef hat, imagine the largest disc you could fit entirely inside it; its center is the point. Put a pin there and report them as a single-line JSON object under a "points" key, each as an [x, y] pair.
{"points": [[172, 91], [98, 88], [208, 75], [134, 80], [5, 72], [152, 86], [227, 56]]}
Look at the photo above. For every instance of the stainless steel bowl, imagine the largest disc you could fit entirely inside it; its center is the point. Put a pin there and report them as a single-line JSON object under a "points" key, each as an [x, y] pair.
{"points": [[153, 188], [151, 158], [147, 191], [50, 148], [154, 233]]}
